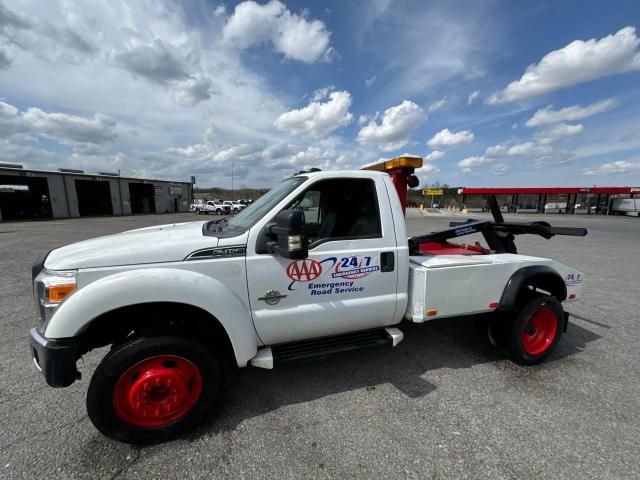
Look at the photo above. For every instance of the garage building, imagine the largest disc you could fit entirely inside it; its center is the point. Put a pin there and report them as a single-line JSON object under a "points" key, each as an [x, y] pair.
{"points": [[32, 194]]}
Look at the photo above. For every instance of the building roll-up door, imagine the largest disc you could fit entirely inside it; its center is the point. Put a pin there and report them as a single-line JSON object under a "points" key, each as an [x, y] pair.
{"points": [[143, 197], [94, 197], [24, 197]]}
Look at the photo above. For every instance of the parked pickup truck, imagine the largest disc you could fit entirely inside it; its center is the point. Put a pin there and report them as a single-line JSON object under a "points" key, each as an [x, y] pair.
{"points": [[214, 207], [182, 305], [235, 207]]}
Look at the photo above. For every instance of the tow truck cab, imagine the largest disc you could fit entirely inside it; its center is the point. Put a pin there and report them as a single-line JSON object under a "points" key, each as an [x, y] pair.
{"points": [[319, 264]]}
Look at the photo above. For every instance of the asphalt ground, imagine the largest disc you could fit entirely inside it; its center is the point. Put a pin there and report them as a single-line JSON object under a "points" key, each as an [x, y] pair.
{"points": [[442, 404]]}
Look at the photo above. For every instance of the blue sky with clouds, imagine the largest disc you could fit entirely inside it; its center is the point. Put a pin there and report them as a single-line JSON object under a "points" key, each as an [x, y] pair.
{"points": [[490, 92]]}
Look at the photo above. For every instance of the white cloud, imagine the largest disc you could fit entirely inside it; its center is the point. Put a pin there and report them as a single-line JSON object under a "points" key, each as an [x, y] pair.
{"points": [[521, 149], [557, 132], [575, 63], [279, 159], [155, 61], [191, 91], [620, 167], [437, 105], [496, 151], [500, 169], [525, 149], [322, 93], [176, 67], [318, 119], [514, 126], [369, 81], [547, 115], [65, 128], [433, 156], [427, 169], [447, 138], [472, 97], [397, 125], [609, 147], [61, 127], [292, 35], [471, 163]]}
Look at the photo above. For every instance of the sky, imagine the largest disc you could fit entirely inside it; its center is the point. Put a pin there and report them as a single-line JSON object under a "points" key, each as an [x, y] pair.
{"points": [[489, 92]]}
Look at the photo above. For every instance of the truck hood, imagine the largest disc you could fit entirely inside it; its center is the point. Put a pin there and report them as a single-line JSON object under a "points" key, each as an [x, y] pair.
{"points": [[163, 243]]}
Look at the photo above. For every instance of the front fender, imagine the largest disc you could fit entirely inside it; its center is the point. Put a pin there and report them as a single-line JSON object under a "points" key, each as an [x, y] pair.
{"points": [[158, 285]]}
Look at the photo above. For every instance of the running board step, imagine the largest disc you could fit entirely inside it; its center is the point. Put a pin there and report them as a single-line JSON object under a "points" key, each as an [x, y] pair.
{"points": [[326, 346]]}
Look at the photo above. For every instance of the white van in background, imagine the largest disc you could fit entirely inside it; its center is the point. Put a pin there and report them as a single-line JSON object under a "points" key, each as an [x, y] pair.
{"points": [[625, 206]]}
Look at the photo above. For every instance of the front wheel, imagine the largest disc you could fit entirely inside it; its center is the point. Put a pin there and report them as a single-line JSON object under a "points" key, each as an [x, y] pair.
{"points": [[152, 388], [533, 333]]}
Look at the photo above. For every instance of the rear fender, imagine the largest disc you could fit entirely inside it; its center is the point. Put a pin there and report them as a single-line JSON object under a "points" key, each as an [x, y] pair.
{"points": [[158, 285], [543, 276]]}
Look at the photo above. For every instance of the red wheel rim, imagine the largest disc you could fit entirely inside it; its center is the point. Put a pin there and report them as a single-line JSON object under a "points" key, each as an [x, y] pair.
{"points": [[540, 331], [157, 391]]}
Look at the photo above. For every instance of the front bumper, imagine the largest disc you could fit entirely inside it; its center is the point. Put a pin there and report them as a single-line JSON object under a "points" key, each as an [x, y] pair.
{"points": [[56, 359]]}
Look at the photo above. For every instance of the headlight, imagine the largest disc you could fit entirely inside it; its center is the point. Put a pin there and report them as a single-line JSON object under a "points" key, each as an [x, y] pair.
{"points": [[51, 289]]}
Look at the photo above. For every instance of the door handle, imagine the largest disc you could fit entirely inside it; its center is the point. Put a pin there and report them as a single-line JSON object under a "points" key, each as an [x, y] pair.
{"points": [[387, 262]]}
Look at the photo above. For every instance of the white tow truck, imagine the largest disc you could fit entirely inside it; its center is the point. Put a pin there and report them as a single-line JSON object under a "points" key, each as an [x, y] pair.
{"points": [[182, 305]]}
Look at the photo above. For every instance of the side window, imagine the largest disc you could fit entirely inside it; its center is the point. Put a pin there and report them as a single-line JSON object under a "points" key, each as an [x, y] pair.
{"points": [[340, 208]]}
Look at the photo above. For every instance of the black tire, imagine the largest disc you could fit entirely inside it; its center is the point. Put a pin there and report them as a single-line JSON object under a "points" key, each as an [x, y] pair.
{"points": [[122, 360], [517, 336]]}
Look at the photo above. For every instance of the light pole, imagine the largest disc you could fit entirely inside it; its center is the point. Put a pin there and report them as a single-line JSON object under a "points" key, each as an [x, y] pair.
{"points": [[232, 180]]}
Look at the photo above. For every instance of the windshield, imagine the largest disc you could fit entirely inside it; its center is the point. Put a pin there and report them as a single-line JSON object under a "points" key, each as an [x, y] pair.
{"points": [[261, 207]]}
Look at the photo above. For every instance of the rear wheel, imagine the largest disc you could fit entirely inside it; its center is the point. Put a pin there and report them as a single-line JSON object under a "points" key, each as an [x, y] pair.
{"points": [[533, 333], [152, 388]]}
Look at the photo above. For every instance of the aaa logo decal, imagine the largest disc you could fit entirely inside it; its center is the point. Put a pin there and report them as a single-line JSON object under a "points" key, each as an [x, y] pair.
{"points": [[304, 270], [307, 270]]}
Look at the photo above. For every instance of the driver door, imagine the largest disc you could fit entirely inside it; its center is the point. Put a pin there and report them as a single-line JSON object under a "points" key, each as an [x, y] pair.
{"points": [[349, 280]]}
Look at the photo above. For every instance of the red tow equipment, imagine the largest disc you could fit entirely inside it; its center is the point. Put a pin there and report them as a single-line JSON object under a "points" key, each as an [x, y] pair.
{"points": [[401, 170]]}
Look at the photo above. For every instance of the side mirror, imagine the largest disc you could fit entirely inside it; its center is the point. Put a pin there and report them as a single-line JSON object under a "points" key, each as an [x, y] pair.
{"points": [[289, 231]]}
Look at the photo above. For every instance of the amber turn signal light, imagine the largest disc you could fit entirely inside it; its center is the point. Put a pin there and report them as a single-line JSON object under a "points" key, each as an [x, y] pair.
{"points": [[57, 293]]}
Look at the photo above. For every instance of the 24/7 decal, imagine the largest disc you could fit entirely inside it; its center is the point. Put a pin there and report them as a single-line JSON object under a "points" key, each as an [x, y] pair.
{"points": [[353, 268], [573, 279], [346, 268]]}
